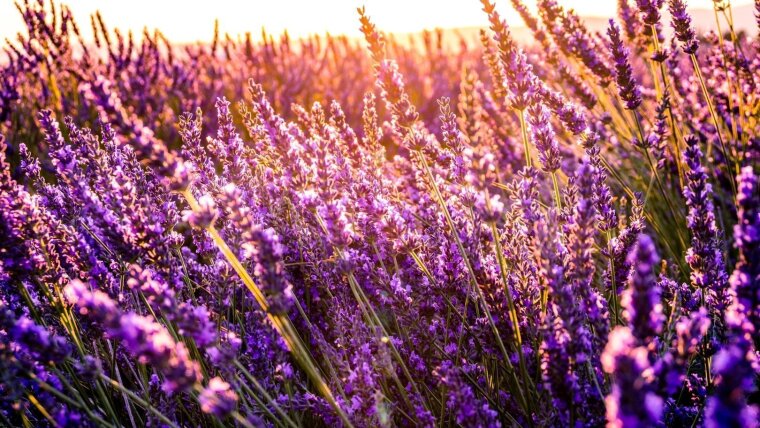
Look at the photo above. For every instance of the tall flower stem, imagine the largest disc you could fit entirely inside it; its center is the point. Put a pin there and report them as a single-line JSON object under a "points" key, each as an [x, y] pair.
{"points": [[260, 389], [557, 196], [134, 397], [526, 144], [667, 88], [511, 305], [729, 80], [615, 308]]}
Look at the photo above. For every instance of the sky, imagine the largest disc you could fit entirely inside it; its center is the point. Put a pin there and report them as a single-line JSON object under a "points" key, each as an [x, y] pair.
{"points": [[193, 20]]}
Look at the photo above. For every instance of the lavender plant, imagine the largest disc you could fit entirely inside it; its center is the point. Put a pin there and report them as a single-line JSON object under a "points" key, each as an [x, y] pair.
{"points": [[364, 237]]}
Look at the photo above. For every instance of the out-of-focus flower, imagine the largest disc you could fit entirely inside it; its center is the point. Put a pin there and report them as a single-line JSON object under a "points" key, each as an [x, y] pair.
{"points": [[641, 300], [632, 401], [218, 398]]}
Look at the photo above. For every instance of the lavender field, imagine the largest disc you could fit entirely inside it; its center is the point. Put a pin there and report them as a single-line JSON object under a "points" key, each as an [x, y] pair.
{"points": [[266, 231]]}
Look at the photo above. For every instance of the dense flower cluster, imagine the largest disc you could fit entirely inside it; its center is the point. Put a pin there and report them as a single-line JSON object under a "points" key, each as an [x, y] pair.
{"points": [[364, 239]]}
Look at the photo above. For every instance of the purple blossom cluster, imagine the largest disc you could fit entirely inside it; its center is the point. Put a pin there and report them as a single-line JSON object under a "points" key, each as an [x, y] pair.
{"points": [[363, 239]]}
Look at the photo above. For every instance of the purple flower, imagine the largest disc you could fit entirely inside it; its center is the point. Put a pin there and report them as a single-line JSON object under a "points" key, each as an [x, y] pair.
{"points": [[622, 245], [573, 38], [410, 270], [467, 409], [659, 141], [205, 215], [650, 10], [490, 207], [543, 137], [149, 150], [705, 257], [641, 300], [153, 287], [96, 305], [521, 81], [603, 196], [743, 315], [152, 344], [627, 87], [681, 22], [632, 402], [734, 378], [264, 247], [630, 20], [218, 398], [689, 335], [36, 339], [141, 336], [392, 90]]}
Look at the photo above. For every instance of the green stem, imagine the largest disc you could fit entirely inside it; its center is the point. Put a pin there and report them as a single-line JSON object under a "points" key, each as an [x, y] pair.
{"points": [[512, 309], [557, 196], [134, 397], [526, 144], [615, 308], [653, 167]]}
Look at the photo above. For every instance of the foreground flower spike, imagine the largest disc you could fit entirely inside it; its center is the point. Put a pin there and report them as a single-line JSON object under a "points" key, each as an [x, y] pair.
{"points": [[152, 344], [96, 305], [218, 398], [681, 23], [35, 339], [141, 336], [633, 401], [734, 376], [518, 72], [704, 257], [743, 315], [627, 86], [543, 137], [642, 298]]}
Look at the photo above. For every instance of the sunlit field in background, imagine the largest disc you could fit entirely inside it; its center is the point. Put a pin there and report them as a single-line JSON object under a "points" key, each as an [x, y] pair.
{"points": [[191, 21], [393, 213]]}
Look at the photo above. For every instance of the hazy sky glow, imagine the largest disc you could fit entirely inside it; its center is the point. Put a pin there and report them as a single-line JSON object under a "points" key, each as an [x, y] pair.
{"points": [[192, 20]]}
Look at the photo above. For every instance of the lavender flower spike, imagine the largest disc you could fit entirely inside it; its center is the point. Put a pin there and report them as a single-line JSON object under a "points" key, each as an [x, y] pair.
{"points": [[681, 22], [642, 298], [218, 398], [743, 316], [145, 339], [733, 380], [627, 87], [704, 257], [542, 134], [632, 402]]}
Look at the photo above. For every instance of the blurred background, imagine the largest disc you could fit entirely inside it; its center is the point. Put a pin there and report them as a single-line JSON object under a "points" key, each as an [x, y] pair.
{"points": [[193, 20]]}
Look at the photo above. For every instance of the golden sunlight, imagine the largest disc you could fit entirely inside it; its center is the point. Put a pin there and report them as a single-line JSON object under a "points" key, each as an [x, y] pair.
{"points": [[190, 21]]}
